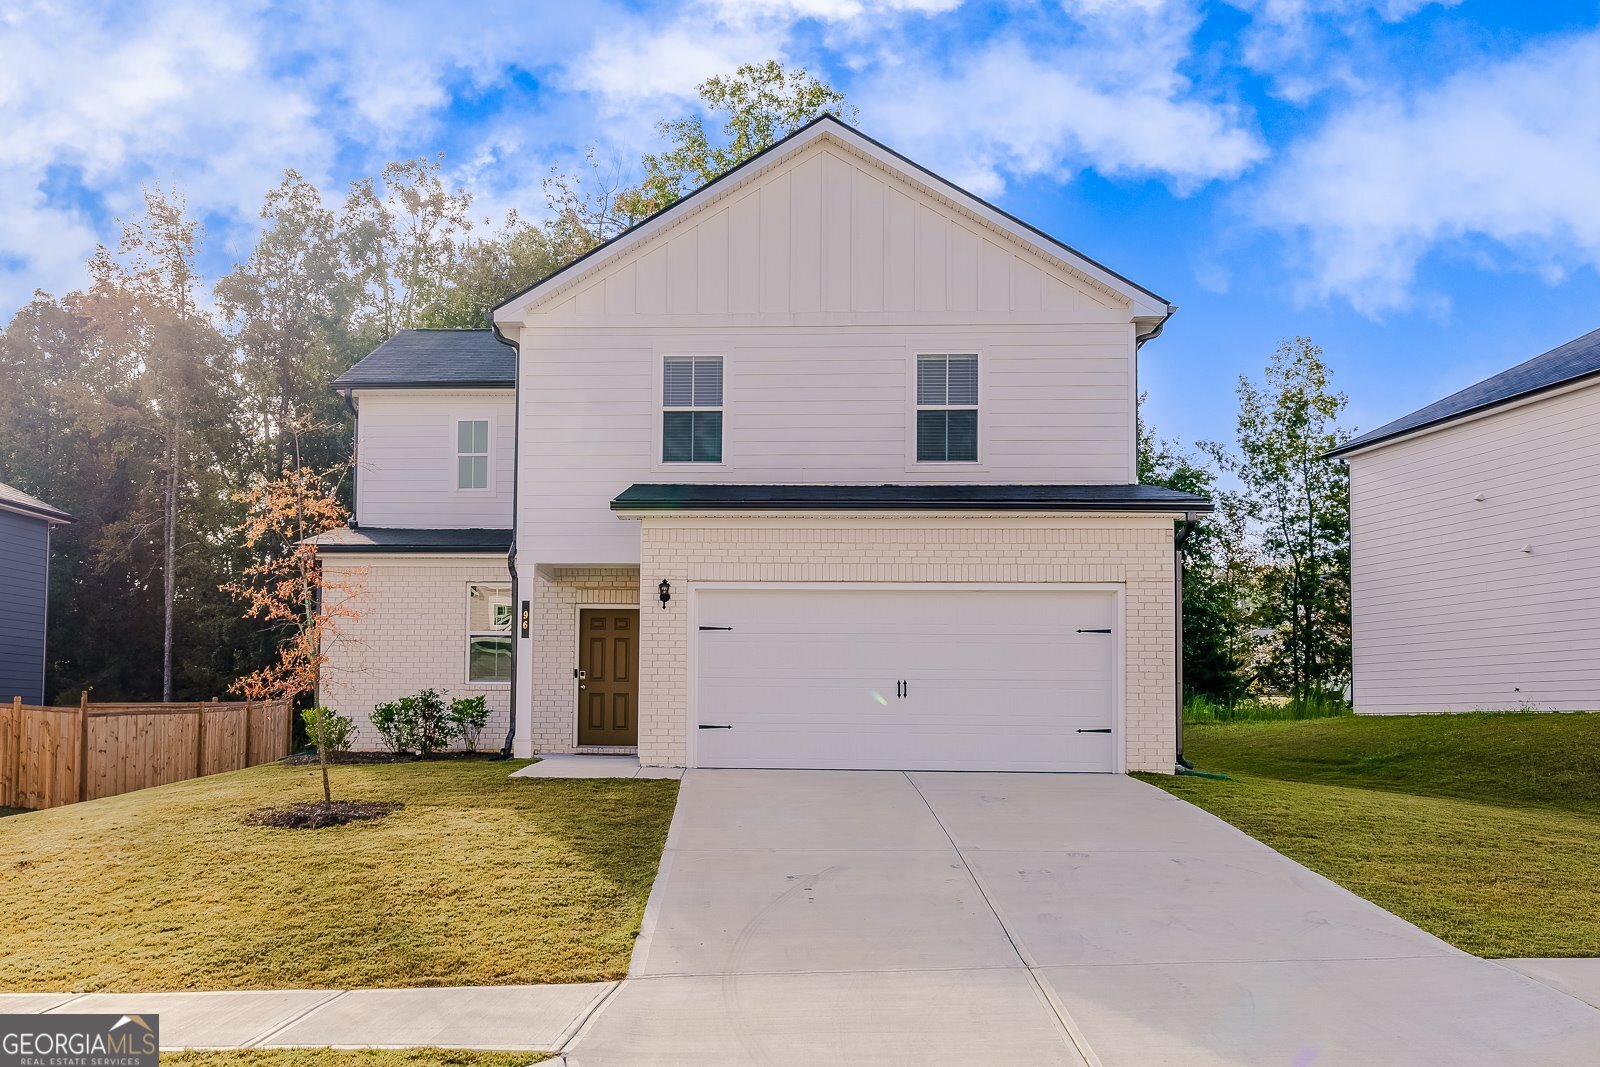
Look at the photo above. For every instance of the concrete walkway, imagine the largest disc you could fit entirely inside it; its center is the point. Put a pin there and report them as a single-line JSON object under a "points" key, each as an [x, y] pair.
{"points": [[536, 1018], [817, 917]]}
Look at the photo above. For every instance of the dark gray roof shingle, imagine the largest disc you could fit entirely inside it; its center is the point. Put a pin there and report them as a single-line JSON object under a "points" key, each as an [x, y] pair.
{"points": [[395, 539], [647, 497], [14, 499], [441, 359], [1572, 361]]}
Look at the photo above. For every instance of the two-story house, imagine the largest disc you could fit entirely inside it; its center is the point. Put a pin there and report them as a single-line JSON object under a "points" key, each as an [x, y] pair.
{"points": [[25, 525], [830, 464]]}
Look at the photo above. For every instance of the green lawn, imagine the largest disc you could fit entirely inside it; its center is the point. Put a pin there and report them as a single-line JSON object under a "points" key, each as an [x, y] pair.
{"points": [[335, 1057], [1484, 829], [479, 880]]}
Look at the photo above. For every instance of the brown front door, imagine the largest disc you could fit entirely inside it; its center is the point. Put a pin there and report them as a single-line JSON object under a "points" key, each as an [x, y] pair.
{"points": [[608, 676]]}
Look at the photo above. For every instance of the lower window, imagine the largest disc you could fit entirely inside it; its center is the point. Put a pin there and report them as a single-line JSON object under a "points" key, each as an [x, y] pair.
{"points": [[488, 633]]}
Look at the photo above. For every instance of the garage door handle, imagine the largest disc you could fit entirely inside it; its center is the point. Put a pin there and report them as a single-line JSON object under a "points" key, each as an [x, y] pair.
{"points": [[703, 726], [1106, 631], [1107, 730]]}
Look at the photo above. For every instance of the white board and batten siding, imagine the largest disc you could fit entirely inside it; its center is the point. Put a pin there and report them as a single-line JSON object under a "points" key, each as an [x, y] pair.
{"points": [[1462, 604], [406, 449], [818, 282]]}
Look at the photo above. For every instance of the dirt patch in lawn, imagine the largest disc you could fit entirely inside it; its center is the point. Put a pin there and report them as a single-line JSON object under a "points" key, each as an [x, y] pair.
{"points": [[317, 816]]}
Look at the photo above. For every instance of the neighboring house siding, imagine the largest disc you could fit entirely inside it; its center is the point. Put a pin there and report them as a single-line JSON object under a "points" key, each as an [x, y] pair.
{"points": [[818, 283], [412, 635], [24, 590], [1450, 613], [406, 450], [1136, 552]]}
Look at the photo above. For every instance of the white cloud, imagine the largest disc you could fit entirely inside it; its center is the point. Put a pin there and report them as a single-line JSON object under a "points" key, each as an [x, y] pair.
{"points": [[1308, 46], [1502, 160], [1105, 92]]}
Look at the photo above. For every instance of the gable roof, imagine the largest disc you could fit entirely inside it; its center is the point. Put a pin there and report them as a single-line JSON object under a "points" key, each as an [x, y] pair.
{"points": [[1145, 303], [1573, 361], [14, 499], [435, 359]]}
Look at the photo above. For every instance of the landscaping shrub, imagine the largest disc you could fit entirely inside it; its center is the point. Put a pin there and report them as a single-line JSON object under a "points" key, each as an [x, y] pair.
{"points": [[327, 729], [330, 732], [396, 723], [469, 715], [419, 723], [433, 722]]}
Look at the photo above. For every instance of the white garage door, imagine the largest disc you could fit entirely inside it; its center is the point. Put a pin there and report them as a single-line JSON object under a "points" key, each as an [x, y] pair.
{"points": [[906, 679]]}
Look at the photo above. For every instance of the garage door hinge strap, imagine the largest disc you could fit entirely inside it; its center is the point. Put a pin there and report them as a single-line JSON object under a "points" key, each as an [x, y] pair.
{"points": [[704, 726], [1094, 631], [716, 627], [1105, 730]]}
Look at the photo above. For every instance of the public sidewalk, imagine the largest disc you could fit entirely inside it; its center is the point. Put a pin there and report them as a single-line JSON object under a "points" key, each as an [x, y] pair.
{"points": [[512, 1018]]}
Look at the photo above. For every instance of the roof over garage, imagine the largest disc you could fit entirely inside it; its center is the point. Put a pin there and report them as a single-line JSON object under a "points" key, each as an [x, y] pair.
{"points": [[435, 359], [1572, 362], [700, 497]]}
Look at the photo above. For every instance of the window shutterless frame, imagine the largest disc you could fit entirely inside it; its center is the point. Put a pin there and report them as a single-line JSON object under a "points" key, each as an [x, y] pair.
{"points": [[691, 406], [472, 439], [491, 623], [947, 421]]}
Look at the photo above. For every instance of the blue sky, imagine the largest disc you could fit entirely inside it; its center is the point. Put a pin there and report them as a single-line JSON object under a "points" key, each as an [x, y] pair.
{"points": [[1415, 184]]}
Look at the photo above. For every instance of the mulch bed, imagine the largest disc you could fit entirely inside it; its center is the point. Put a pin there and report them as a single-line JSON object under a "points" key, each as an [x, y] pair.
{"points": [[351, 759], [316, 816]]}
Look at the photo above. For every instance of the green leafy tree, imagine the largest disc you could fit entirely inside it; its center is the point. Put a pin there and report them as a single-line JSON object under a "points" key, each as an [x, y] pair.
{"points": [[1217, 598], [151, 333], [402, 233], [1298, 507], [290, 308], [760, 104]]}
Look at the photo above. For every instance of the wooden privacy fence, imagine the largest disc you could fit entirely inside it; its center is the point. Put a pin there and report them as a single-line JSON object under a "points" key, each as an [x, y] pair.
{"points": [[55, 756]]}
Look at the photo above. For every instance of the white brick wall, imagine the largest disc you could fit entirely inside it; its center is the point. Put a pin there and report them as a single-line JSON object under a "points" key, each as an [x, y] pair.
{"points": [[412, 635], [1134, 551]]}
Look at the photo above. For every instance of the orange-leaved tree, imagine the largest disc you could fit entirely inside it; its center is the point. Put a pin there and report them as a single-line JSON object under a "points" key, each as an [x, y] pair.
{"points": [[285, 588]]}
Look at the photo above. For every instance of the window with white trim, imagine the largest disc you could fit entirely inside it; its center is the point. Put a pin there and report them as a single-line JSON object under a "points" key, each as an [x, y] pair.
{"points": [[947, 409], [489, 633], [691, 409], [472, 453]]}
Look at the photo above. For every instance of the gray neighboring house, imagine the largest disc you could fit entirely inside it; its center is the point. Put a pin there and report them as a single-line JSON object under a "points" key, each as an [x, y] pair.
{"points": [[1475, 545], [25, 525]]}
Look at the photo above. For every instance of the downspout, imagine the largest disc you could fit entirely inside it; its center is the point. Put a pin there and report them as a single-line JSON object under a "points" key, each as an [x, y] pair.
{"points": [[511, 554], [355, 459], [1185, 529]]}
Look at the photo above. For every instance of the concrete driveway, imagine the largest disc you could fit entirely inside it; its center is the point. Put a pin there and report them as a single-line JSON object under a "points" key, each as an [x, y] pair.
{"points": [[812, 917]]}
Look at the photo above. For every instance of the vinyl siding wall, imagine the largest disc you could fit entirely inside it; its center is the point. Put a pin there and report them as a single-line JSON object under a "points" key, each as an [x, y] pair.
{"points": [[24, 589], [407, 459], [818, 283], [1450, 613]]}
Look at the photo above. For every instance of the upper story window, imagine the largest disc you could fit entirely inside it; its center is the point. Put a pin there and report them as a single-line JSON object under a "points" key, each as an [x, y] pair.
{"points": [[472, 454], [691, 409], [947, 408]]}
